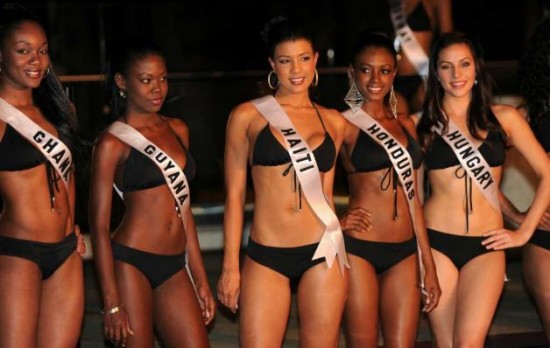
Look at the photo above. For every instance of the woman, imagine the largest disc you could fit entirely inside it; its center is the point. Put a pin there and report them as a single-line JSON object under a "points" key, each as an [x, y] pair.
{"points": [[464, 138], [289, 239], [416, 24], [384, 267], [42, 292], [534, 82], [142, 269]]}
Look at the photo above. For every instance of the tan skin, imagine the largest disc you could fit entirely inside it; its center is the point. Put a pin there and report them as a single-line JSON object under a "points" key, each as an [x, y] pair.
{"points": [[394, 293], [35, 312], [463, 316], [277, 221], [150, 223], [440, 14], [534, 259]]}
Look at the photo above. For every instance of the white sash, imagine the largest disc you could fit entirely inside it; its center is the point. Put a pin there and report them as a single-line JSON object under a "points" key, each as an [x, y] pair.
{"points": [[305, 166], [174, 176], [405, 36], [467, 152], [55, 151], [400, 159]]}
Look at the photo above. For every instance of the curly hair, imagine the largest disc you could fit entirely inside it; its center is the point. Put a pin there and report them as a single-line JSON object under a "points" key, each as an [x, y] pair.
{"points": [[534, 75]]}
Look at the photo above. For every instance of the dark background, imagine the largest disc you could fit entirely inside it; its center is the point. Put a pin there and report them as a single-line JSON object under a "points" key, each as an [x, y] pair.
{"points": [[224, 35], [216, 60]]}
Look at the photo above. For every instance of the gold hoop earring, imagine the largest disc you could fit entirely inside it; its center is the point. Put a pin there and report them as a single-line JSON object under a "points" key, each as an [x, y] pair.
{"points": [[47, 72], [393, 102], [122, 93], [315, 81], [269, 83]]}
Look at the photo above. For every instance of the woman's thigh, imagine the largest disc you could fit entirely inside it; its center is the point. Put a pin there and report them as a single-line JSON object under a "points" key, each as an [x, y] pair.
{"points": [[62, 306], [20, 293], [361, 312], [177, 313], [322, 295], [137, 296], [264, 306], [400, 303], [479, 289]]}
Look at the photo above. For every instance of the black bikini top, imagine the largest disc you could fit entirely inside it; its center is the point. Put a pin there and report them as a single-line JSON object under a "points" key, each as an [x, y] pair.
{"points": [[440, 155], [268, 151], [17, 153], [418, 20], [140, 173], [369, 156]]}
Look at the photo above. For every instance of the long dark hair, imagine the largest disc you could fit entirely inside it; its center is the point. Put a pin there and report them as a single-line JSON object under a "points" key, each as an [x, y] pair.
{"points": [[534, 74], [374, 39], [49, 97], [480, 117], [123, 56]]}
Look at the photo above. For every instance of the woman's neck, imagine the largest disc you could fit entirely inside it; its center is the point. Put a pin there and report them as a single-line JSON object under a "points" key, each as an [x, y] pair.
{"points": [[138, 120], [456, 107], [294, 100], [17, 97], [377, 110]]}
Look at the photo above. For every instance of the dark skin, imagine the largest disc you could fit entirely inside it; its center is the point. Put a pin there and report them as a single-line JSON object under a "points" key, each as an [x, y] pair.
{"points": [[151, 224], [391, 298], [54, 307]]}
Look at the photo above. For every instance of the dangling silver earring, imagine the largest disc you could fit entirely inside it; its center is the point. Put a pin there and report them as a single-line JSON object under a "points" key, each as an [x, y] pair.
{"points": [[393, 102], [269, 83], [47, 72], [122, 93], [315, 81], [354, 98], [475, 82]]}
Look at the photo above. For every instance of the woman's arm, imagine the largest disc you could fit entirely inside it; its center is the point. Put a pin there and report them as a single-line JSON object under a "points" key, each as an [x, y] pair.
{"points": [[235, 168], [445, 16], [80, 246], [196, 266], [522, 138], [432, 291], [105, 158], [196, 263]]}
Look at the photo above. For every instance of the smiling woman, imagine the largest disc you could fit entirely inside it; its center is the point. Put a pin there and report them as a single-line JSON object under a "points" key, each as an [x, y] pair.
{"points": [[381, 157], [42, 292], [295, 238], [464, 139]]}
